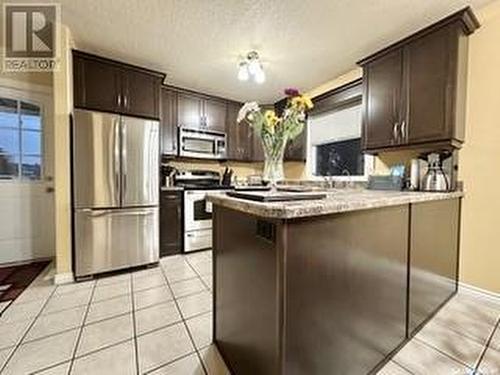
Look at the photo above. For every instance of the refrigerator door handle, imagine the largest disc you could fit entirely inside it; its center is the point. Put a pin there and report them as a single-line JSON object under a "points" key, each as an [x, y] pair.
{"points": [[116, 154], [123, 129], [100, 213]]}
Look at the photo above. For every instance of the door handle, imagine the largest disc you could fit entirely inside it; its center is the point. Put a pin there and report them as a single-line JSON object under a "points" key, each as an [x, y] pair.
{"points": [[123, 157], [395, 132], [116, 154], [403, 130], [99, 213], [119, 100]]}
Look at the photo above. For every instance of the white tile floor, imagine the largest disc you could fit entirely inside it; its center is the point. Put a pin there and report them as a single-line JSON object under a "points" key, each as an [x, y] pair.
{"points": [[156, 321], [159, 321]]}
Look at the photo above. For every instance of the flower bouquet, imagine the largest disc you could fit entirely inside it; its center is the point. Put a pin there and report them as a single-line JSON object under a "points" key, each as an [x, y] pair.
{"points": [[274, 132]]}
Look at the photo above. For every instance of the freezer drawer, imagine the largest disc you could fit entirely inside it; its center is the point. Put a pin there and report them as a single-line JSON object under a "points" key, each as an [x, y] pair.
{"points": [[108, 240]]}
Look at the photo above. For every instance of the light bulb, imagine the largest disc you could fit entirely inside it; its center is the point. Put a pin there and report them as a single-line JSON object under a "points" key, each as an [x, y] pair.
{"points": [[260, 76], [253, 66], [243, 72]]}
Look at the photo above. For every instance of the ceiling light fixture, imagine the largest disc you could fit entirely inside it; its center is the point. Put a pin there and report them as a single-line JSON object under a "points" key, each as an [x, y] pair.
{"points": [[243, 71], [251, 67]]}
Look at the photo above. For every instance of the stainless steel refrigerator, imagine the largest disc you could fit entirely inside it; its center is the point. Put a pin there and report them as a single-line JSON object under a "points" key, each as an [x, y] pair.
{"points": [[115, 192]]}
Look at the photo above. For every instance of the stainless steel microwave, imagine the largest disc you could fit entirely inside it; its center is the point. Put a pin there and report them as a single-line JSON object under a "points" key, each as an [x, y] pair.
{"points": [[205, 144]]}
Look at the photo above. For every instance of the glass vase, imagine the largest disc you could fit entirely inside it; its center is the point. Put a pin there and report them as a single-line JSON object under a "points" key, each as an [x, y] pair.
{"points": [[273, 163]]}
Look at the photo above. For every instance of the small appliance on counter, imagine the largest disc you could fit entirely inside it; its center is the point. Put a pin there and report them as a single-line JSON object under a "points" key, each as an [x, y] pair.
{"points": [[168, 174], [436, 178], [395, 180]]}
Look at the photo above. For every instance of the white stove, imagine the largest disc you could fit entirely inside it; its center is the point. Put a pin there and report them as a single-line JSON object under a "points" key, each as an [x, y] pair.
{"points": [[197, 211]]}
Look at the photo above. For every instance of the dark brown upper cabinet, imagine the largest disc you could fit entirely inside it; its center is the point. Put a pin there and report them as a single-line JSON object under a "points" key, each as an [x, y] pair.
{"points": [[383, 105], [190, 110], [414, 90], [200, 112], [215, 112], [141, 93], [168, 115], [112, 86], [239, 136], [97, 85]]}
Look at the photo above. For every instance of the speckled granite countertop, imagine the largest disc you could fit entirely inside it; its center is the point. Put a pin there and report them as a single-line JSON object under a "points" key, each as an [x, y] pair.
{"points": [[339, 200]]}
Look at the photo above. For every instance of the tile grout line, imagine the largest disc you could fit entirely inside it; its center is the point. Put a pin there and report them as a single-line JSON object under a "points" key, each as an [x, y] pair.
{"points": [[134, 328], [108, 346], [465, 335], [154, 369], [117, 343], [80, 332], [18, 344], [432, 347], [198, 274], [398, 364], [486, 347], [185, 323]]}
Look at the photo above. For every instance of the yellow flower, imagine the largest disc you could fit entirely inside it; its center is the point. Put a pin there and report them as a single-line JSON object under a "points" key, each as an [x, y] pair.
{"points": [[296, 102], [271, 118], [302, 102], [308, 102]]}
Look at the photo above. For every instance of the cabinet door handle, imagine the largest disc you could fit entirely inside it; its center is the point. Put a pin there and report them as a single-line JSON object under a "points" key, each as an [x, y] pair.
{"points": [[125, 101], [119, 100], [403, 130], [395, 132]]}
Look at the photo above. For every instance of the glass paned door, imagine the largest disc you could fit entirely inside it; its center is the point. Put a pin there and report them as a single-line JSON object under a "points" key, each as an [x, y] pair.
{"points": [[20, 139]]}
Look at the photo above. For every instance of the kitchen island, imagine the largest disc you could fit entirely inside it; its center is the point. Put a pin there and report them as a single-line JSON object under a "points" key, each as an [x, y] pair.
{"points": [[330, 286]]}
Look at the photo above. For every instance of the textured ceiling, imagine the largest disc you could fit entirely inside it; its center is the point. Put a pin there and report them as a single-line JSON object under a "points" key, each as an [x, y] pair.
{"points": [[197, 42]]}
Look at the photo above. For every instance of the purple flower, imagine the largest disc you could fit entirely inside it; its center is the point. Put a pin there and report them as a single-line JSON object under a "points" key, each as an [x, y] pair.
{"points": [[291, 92]]}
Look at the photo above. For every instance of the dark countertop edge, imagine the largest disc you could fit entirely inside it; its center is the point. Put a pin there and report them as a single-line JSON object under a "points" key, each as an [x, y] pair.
{"points": [[279, 210]]}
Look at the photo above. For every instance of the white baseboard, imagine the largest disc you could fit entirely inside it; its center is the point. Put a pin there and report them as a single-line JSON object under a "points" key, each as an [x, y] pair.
{"points": [[63, 278], [475, 291]]}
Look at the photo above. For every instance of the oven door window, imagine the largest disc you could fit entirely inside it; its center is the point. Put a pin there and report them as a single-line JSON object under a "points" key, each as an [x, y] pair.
{"points": [[200, 210], [206, 146]]}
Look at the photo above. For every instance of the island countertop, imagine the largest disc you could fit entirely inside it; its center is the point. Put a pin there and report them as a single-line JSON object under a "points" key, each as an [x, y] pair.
{"points": [[336, 201]]}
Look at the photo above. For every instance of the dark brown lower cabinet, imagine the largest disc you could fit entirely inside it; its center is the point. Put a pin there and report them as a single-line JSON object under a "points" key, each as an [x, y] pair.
{"points": [[433, 258], [329, 294], [346, 282], [309, 296], [170, 222]]}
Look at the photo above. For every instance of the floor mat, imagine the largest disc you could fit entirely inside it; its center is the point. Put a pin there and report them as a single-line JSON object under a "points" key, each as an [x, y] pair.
{"points": [[14, 279]]}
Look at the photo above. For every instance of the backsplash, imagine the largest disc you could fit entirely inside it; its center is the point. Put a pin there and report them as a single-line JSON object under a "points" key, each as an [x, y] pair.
{"points": [[293, 170]]}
